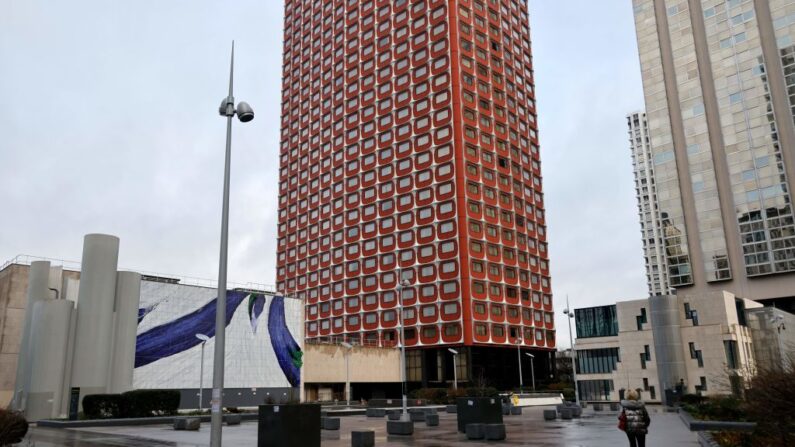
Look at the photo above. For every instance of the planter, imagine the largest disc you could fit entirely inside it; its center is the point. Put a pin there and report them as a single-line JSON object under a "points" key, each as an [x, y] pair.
{"points": [[478, 410], [699, 425], [291, 425]]}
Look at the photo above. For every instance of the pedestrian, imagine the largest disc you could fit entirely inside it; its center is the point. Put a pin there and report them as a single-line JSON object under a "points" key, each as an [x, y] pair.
{"points": [[634, 419]]}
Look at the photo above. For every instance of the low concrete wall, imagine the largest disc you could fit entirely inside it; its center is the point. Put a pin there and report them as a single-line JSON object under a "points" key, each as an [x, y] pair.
{"points": [[163, 420], [698, 425]]}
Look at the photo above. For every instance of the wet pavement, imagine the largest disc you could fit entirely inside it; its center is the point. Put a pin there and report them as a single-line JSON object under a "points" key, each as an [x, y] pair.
{"points": [[594, 429]]}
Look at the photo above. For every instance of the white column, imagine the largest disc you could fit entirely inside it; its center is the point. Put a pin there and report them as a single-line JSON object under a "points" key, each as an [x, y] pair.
{"points": [[49, 337], [128, 296], [94, 331], [38, 281]]}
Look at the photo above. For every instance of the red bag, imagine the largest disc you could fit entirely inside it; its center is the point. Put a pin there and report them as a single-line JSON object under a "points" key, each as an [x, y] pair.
{"points": [[622, 421]]}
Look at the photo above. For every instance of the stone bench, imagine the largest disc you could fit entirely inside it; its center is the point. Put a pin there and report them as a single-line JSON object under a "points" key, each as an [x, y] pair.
{"points": [[494, 432], [475, 431], [363, 438], [376, 412], [233, 419], [432, 420], [550, 415], [327, 423], [400, 428], [187, 423]]}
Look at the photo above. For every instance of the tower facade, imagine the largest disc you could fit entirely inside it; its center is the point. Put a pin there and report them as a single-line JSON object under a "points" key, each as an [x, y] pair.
{"points": [[646, 191], [717, 78], [409, 154]]}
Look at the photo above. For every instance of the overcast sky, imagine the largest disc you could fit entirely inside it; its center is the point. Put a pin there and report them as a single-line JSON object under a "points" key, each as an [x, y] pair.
{"points": [[108, 123]]}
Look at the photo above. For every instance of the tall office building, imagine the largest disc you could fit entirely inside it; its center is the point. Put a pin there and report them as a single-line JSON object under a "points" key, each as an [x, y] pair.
{"points": [[717, 75], [409, 150], [646, 190]]}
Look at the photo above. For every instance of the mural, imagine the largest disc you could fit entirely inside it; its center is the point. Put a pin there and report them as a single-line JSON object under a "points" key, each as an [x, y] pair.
{"points": [[168, 353]]}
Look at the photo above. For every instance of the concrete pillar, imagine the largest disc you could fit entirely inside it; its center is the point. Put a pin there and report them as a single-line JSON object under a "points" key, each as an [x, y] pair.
{"points": [[50, 338], [128, 295], [668, 348], [94, 329], [38, 281]]}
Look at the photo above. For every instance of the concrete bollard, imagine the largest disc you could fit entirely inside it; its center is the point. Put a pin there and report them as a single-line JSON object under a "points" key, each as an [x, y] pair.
{"points": [[550, 415], [327, 423], [475, 431], [432, 420], [363, 438], [400, 428], [495, 432]]}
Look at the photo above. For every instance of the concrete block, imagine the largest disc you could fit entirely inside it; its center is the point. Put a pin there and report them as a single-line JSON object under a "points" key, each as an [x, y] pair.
{"points": [[186, 423], [401, 428], [394, 415], [576, 412], [506, 409], [328, 423], [475, 431], [516, 411], [560, 407], [550, 415], [363, 438], [417, 416], [597, 407], [432, 420], [614, 406], [495, 432], [233, 419], [565, 414], [376, 412], [431, 411], [451, 408]]}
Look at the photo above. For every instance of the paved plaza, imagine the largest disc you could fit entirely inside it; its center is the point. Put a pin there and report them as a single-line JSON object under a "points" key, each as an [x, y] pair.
{"points": [[595, 429]]}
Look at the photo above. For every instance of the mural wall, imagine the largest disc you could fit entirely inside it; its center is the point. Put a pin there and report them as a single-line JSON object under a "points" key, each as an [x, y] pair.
{"points": [[262, 338]]}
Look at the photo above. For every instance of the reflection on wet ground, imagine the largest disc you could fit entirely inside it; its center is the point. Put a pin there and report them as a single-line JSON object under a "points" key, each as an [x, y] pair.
{"points": [[594, 429]]}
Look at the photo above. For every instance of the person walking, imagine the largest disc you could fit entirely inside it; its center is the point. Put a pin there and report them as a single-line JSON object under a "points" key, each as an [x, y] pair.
{"points": [[634, 419]]}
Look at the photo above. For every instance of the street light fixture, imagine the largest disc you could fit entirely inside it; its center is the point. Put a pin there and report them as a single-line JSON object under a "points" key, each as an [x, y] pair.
{"points": [[532, 369], [245, 114], [204, 340], [348, 347], [569, 314], [401, 284], [455, 368]]}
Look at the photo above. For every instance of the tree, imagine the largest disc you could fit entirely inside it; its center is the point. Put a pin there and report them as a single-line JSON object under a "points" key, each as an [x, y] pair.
{"points": [[769, 401]]}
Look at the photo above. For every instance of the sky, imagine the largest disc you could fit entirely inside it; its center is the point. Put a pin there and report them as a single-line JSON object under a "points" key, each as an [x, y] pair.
{"points": [[109, 124]]}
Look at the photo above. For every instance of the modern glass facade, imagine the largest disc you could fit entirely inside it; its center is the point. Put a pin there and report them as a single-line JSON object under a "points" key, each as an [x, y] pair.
{"points": [[720, 96], [596, 321], [597, 361], [594, 390]]}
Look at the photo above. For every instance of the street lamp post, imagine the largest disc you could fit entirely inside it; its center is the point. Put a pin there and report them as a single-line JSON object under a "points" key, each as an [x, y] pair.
{"points": [[569, 315], [348, 348], [401, 284], [532, 369], [204, 340], [455, 368], [519, 358], [245, 114]]}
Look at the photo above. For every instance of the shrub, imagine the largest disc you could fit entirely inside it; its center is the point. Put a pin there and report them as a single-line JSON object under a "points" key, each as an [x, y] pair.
{"points": [[132, 404], [432, 395], [568, 394], [453, 394], [145, 403], [769, 403], [13, 427], [482, 392], [103, 406], [692, 399]]}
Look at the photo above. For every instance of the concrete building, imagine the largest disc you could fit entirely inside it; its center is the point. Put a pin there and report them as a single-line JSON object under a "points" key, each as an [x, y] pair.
{"points": [[717, 77], [409, 151], [651, 227], [674, 344]]}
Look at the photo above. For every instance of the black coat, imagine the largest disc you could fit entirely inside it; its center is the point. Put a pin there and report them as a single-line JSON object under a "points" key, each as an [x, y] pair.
{"points": [[638, 419]]}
